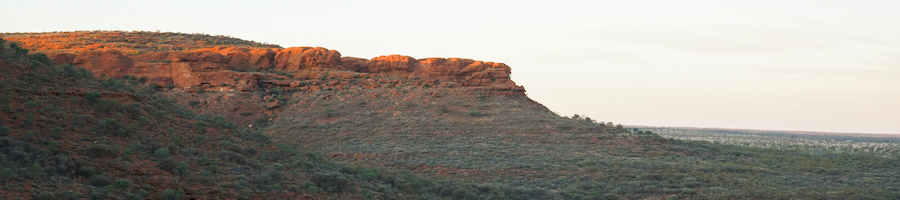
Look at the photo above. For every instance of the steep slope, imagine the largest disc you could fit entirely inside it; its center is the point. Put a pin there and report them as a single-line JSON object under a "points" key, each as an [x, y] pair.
{"points": [[65, 134]]}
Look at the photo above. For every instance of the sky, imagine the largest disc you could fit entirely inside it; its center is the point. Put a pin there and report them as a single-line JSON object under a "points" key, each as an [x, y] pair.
{"points": [[778, 65]]}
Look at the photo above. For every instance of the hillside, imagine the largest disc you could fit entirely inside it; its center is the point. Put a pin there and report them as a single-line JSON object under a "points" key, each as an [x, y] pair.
{"points": [[306, 122]]}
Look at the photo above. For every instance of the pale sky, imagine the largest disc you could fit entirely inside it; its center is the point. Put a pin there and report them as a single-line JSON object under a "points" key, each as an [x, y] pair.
{"points": [[779, 65]]}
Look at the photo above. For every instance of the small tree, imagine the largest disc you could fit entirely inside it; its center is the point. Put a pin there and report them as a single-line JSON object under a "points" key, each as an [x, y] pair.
{"points": [[182, 168]]}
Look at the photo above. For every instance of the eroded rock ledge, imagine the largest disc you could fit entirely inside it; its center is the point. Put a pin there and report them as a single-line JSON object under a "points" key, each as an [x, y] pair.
{"points": [[312, 68]]}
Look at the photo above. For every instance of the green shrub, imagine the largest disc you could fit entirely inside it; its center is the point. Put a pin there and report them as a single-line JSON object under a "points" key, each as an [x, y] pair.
{"points": [[28, 136], [225, 143], [171, 194], [201, 124], [174, 139], [144, 120], [194, 103], [29, 119], [42, 58], [18, 49], [81, 120], [220, 121], [108, 105], [161, 152], [182, 168], [167, 164], [6, 173], [56, 130], [93, 96], [331, 181], [84, 73], [476, 114], [86, 171], [99, 150], [100, 180], [122, 183], [35, 170], [274, 187], [47, 195], [134, 110], [4, 131]]}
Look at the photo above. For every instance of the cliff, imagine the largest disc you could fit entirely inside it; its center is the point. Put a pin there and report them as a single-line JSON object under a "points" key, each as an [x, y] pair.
{"points": [[248, 67]]}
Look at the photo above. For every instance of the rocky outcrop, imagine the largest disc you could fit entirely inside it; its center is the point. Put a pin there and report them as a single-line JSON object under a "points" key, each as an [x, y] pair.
{"points": [[62, 58], [466, 72], [239, 69], [110, 63], [355, 64], [297, 58], [396, 64]]}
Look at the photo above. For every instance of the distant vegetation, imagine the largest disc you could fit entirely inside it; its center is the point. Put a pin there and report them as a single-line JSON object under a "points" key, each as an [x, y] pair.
{"points": [[880, 145]]}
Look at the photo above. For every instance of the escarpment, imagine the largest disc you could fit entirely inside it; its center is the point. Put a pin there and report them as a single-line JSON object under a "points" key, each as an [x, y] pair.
{"points": [[311, 68]]}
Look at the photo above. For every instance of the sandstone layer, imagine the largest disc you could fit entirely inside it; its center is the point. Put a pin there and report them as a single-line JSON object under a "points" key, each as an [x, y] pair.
{"points": [[311, 68]]}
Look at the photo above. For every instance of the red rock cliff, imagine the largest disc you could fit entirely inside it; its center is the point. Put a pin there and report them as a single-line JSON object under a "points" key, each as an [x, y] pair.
{"points": [[233, 68]]}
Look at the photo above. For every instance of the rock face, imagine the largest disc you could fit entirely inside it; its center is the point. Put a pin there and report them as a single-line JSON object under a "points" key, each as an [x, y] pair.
{"points": [[396, 64], [297, 58], [111, 62], [238, 69], [62, 58]]}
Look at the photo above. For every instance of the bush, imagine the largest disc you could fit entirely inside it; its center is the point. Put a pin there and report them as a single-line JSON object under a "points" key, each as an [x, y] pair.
{"points": [[162, 152], [144, 120], [93, 96], [86, 171], [99, 150], [46, 195], [122, 183], [134, 110], [5, 131], [174, 139], [6, 173], [108, 105], [274, 187], [18, 49], [100, 180], [331, 181], [167, 164], [171, 195], [219, 120], [42, 58], [225, 143], [35, 170], [182, 168], [194, 103], [201, 124]]}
